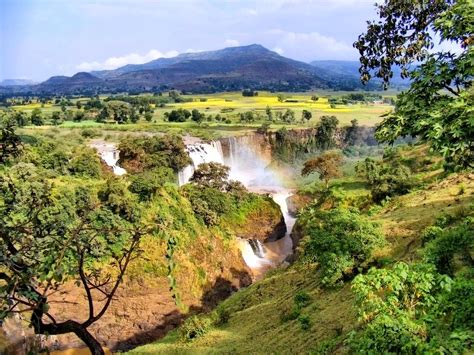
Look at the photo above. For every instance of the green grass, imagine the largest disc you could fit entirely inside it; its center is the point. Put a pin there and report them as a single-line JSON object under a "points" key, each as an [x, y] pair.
{"points": [[256, 326], [366, 114]]}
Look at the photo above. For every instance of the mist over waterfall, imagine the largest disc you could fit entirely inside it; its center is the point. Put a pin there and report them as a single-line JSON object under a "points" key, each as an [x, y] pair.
{"points": [[249, 160]]}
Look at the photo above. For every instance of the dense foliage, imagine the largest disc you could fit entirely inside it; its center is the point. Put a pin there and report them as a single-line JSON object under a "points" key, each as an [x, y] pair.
{"points": [[438, 107], [138, 154], [386, 178], [340, 240]]}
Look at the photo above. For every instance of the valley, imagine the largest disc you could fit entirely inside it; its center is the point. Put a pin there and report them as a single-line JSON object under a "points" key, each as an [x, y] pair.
{"points": [[238, 177]]}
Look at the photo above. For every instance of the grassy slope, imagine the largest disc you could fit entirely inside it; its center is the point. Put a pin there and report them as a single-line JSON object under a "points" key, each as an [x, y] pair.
{"points": [[255, 325]]}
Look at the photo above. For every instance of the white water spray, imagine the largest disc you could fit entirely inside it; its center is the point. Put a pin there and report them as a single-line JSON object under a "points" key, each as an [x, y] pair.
{"points": [[247, 166], [110, 155]]}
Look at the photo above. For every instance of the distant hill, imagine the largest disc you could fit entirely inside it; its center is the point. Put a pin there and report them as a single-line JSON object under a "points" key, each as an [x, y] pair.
{"points": [[234, 68], [16, 82], [346, 71]]}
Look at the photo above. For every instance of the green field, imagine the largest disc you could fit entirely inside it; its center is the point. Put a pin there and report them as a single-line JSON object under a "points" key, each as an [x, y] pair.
{"points": [[230, 105]]}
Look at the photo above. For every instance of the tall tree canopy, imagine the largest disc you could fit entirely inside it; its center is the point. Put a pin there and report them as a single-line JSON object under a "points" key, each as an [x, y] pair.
{"points": [[438, 107]]}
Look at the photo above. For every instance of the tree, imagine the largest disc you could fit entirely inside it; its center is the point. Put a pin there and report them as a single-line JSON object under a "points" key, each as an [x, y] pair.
{"points": [[148, 116], [288, 116], [85, 162], [353, 133], [78, 104], [79, 115], [145, 153], [213, 175], [56, 118], [197, 116], [306, 115], [20, 118], [340, 240], [385, 178], [134, 117], [146, 184], [326, 131], [10, 142], [411, 309], [179, 115], [174, 95], [119, 110], [327, 165], [103, 115], [314, 98], [438, 107], [36, 117], [269, 113], [281, 97], [51, 235]]}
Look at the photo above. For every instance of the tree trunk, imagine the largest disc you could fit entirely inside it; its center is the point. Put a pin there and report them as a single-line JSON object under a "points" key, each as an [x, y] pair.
{"points": [[69, 326]]}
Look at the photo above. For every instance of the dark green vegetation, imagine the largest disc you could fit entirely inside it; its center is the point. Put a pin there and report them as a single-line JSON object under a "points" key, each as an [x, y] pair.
{"points": [[68, 222], [384, 262], [438, 106]]}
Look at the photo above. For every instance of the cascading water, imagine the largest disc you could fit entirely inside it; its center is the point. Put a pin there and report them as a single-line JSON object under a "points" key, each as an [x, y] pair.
{"points": [[110, 155], [201, 153], [249, 167]]}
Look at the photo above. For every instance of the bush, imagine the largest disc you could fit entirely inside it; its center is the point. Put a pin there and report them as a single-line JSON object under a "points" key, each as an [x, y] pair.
{"points": [[90, 133], [385, 178], [290, 314], [194, 327], [302, 299], [85, 162], [340, 240], [411, 309], [147, 183], [450, 246], [305, 322], [222, 316]]}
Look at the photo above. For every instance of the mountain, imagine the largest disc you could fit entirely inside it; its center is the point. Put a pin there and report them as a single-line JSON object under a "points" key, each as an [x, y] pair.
{"points": [[347, 71], [16, 82], [234, 68]]}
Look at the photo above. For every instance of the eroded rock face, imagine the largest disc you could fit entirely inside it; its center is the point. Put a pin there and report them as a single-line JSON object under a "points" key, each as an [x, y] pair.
{"points": [[144, 309]]}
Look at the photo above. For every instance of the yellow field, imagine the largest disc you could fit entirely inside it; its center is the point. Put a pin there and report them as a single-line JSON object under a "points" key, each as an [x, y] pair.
{"points": [[229, 105]]}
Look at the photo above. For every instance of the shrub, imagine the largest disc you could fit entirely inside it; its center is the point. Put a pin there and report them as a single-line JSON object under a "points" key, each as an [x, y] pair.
{"points": [[302, 299], [222, 316], [147, 183], [450, 245], [85, 162], [340, 240], [305, 322], [194, 327], [90, 133], [412, 309], [386, 179], [290, 313]]}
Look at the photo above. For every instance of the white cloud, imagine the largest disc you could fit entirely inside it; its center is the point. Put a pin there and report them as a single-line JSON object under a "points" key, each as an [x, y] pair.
{"points": [[132, 58], [231, 42], [311, 45]]}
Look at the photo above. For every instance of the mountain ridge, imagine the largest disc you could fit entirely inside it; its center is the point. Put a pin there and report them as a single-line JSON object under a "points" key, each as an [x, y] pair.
{"points": [[228, 69]]}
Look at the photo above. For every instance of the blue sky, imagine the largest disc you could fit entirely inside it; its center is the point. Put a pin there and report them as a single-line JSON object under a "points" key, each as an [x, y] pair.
{"points": [[41, 38]]}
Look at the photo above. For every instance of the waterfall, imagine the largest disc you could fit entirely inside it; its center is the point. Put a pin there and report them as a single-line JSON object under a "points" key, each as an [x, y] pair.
{"points": [[110, 155], [257, 247], [248, 160], [201, 153]]}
